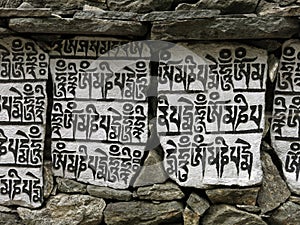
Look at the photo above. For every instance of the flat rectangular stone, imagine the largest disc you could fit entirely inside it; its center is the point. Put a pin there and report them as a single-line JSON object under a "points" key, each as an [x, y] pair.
{"points": [[224, 27], [23, 104], [40, 12], [178, 15], [77, 26], [210, 113], [109, 15], [100, 113], [285, 127]]}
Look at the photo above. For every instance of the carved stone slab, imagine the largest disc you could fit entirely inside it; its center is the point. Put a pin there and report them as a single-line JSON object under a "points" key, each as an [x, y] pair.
{"points": [[23, 104], [210, 115], [285, 128], [100, 114]]}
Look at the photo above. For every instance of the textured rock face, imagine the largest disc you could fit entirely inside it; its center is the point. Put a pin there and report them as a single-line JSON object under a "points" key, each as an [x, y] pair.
{"points": [[66, 4], [109, 193], [190, 217], [77, 26], [70, 186], [152, 171], [193, 119], [224, 214], [163, 192], [274, 190], [226, 6], [197, 204], [64, 209], [139, 6], [221, 28], [245, 196], [10, 219], [288, 214], [285, 130], [142, 213], [48, 179]]}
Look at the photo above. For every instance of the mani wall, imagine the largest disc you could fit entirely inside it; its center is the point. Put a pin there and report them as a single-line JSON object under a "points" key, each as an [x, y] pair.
{"points": [[150, 112]]}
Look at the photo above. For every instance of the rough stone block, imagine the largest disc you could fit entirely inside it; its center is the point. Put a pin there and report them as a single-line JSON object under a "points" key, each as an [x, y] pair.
{"points": [[285, 126], [210, 114], [23, 103], [100, 114]]}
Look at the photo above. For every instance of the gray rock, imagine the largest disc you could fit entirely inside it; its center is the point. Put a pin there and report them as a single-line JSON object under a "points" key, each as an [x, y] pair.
{"points": [[152, 171], [190, 217], [280, 11], [77, 26], [10, 219], [220, 28], [274, 190], [48, 179], [225, 214], [287, 214], [249, 208], [66, 4], [295, 199], [11, 3], [160, 192], [70, 186], [226, 7], [245, 196], [110, 15], [197, 204], [64, 209], [25, 5], [109, 193], [142, 213], [7, 13], [179, 15], [283, 3], [4, 12], [139, 6], [268, 44], [273, 63]]}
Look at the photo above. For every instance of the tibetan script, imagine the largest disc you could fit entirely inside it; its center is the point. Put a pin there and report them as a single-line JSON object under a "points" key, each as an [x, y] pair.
{"points": [[285, 128], [23, 104], [100, 114], [210, 114]]}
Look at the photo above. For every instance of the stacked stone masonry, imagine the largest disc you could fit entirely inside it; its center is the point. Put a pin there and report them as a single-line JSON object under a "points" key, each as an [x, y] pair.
{"points": [[149, 112]]}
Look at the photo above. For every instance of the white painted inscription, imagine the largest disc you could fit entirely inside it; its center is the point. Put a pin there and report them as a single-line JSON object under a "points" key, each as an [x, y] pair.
{"points": [[23, 103], [100, 114], [210, 115], [285, 128]]}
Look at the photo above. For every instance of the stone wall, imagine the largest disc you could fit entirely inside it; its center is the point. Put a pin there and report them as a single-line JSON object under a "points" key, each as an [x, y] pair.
{"points": [[149, 112]]}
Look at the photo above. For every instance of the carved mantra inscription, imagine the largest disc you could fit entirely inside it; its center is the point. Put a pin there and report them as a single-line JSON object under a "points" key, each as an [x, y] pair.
{"points": [[285, 129], [100, 114], [23, 103], [210, 114]]}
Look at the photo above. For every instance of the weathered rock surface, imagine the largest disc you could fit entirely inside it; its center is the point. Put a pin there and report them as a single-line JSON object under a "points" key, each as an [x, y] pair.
{"points": [[77, 26], [279, 11], [249, 208], [66, 4], [109, 193], [10, 3], [48, 179], [224, 214], [220, 28], [198, 204], [229, 6], [273, 63], [152, 171], [139, 6], [287, 214], [245, 196], [10, 219], [70, 186], [164, 192], [5, 12], [274, 190], [110, 15], [142, 213], [179, 15], [190, 217], [64, 209]]}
